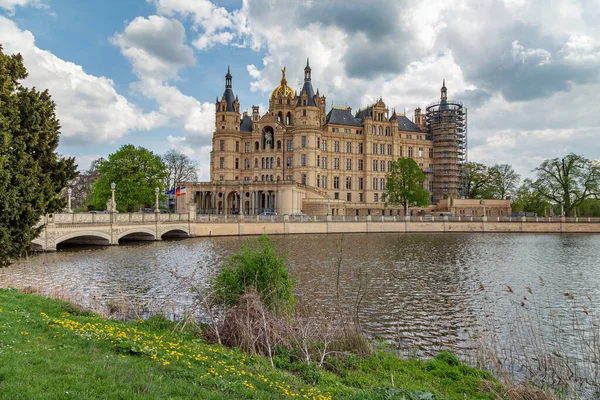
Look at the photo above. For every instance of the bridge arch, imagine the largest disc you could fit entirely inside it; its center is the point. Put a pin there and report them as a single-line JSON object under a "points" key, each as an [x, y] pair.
{"points": [[92, 235], [136, 231], [175, 231], [38, 244]]}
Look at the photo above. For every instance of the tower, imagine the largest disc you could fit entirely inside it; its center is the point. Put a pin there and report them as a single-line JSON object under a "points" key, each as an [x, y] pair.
{"points": [[225, 161], [447, 127]]}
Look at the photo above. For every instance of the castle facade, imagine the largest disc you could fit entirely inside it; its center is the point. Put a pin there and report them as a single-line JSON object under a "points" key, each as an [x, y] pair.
{"points": [[300, 157]]}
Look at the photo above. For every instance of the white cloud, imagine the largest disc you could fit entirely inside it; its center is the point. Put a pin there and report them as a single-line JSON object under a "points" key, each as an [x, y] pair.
{"points": [[11, 5], [155, 46], [89, 108], [537, 56], [199, 153]]}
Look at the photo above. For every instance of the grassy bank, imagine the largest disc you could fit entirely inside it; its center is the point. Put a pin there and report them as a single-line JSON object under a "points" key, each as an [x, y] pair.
{"points": [[50, 349]]}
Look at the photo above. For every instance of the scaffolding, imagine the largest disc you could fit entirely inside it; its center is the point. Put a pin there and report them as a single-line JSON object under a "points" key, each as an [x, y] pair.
{"points": [[447, 128]]}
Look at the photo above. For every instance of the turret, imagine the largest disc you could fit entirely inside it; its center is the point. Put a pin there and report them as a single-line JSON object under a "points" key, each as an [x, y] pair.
{"points": [[228, 108], [444, 91]]}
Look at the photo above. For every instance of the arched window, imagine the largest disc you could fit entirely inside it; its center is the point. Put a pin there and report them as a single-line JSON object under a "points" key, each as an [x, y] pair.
{"points": [[373, 130], [272, 162], [271, 178], [380, 131], [222, 118], [256, 179], [263, 163], [222, 108], [279, 145], [304, 113], [288, 101], [318, 143], [387, 131], [280, 101], [256, 163], [262, 178], [278, 162], [280, 116], [256, 146], [288, 119]]}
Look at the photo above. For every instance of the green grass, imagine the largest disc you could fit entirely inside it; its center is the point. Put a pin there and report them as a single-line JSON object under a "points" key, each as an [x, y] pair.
{"points": [[51, 350]]}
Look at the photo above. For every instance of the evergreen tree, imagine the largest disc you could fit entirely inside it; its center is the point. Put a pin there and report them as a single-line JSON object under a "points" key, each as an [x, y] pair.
{"points": [[32, 174], [136, 172], [404, 185]]}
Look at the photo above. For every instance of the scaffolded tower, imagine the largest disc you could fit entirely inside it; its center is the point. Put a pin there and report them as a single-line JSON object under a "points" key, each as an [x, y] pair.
{"points": [[447, 128]]}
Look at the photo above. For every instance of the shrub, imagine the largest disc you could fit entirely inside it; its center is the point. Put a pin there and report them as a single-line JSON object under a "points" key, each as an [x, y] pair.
{"points": [[256, 267]]}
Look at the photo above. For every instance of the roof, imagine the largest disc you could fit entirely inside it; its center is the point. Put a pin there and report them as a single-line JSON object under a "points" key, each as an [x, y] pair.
{"points": [[246, 124], [405, 124], [361, 114], [342, 117], [309, 92], [229, 98]]}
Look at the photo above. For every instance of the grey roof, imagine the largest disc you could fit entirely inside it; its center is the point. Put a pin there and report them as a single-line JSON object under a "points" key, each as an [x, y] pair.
{"points": [[341, 117], [405, 124], [361, 114], [309, 92], [229, 98], [246, 124]]}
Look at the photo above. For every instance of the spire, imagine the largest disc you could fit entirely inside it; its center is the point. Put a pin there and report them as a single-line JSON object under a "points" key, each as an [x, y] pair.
{"points": [[307, 71], [228, 78], [444, 91]]}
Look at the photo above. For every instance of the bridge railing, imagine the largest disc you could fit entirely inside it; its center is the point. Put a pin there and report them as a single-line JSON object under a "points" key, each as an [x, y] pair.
{"points": [[108, 218]]}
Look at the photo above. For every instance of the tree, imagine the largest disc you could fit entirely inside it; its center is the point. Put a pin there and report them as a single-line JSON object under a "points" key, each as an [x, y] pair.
{"points": [[478, 180], [504, 180], [404, 185], [80, 186], [528, 199], [32, 174], [568, 181], [135, 171], [180, 168]]}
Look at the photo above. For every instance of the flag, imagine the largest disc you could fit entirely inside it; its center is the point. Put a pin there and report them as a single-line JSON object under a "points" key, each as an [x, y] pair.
{"points": [[183, 191], [178, 191], [170, 192]]}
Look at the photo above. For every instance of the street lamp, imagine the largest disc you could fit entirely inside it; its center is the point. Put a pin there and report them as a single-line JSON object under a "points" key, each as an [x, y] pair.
{"points": [[113, 205], [69, 191], [156, 209]]}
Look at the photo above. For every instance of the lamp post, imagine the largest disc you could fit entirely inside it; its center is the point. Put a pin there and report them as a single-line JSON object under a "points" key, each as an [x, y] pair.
{"points": [[113, 205], [69, 191], [156, 209]]}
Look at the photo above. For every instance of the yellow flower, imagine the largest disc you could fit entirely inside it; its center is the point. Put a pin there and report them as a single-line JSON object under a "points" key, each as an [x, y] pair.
{"points": [[165, 363]]}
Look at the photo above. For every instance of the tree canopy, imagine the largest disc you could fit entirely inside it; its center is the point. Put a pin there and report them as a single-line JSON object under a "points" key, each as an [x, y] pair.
{"points": [[32, 174], [404, 185], [136, 171], [80, 186], [504, 180], [180, 168], [478, 180], [568, 181]]}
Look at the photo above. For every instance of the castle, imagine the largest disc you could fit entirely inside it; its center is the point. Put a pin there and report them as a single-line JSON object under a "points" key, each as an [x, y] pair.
{"points": [[299, 157]]}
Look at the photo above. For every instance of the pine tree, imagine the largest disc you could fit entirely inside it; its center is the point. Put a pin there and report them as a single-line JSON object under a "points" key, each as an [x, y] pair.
{"points": [[32, 174]]}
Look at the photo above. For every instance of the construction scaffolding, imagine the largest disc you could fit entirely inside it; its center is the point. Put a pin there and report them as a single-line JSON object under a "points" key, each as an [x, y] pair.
{"points": [[446, 122]]}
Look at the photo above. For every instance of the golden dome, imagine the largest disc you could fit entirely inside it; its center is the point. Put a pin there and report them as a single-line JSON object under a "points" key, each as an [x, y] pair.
{"points": [[283, 90]]}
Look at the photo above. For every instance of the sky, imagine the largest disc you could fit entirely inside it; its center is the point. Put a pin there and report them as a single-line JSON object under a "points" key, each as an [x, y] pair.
{"points": [[147, 72]]}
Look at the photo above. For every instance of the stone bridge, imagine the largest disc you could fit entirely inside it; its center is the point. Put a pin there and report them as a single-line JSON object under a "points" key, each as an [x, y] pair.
{"points": [[110, 228]]}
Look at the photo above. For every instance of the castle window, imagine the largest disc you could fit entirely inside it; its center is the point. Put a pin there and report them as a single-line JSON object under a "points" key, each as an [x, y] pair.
{"points": [[318, 142], [348, 164], [430, 153], [410, 152], [374, 184], [256, 163], [246, 164], [272, 164], [360, 198], [304, 179], [280, 101], [400, 151], [420, 152], [382, 165], [304, 103], [288, 118], [430, 186], [289, 162], [303, 160], [324, 162], [288, 102], [324, 145], [318, 161], [375, 197], [336, 196], [373, 130], [336, 146], [237, 146], [382, 184], [387, 131], [304, 113], [360, 148], [289, 145], [264, 164], [336, 182], [222, 145], [389, 149], [318, 180], [303, 142], [324, 182], [360, 183], [348, 147], [389, 165], [247, 147], [349, 183], [237, 163], [278, 162], [222, 108], [374, 148], [222, 162], [279, 145], [222, 118], [380, 131], [375, 165], [336, 163], [256, 146], [360, 165], [381, 148], [348, 196]]}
